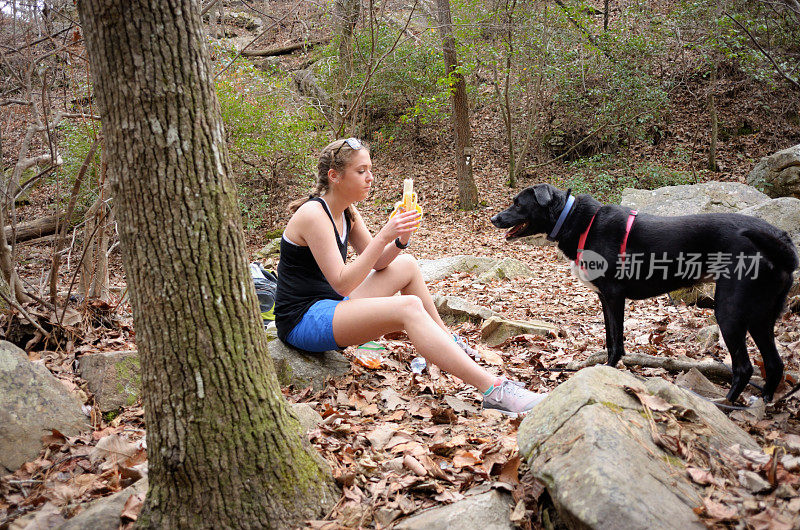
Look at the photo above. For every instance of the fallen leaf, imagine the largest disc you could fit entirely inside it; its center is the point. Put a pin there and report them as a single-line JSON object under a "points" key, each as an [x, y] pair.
{"points": [[132, 507], [510, 471], [413, 464], [700, 476], [465, 458], [717, 510]]}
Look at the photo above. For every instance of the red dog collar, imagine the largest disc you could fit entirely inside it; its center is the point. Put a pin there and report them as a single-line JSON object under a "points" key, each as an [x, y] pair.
{"points": [[582, 240]]}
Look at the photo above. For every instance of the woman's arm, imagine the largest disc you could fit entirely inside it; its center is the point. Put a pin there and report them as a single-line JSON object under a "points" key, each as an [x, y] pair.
{"points": [[361, 238], [312, 226]]}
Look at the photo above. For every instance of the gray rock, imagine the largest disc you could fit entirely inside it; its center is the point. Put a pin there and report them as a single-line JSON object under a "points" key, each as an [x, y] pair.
{"points": [[539, 240], [507, 268], [709, 197], [454, 309], [294, 367], [115, 378], [437, 269], [701, 295], [497, 330], [273, 248], [753, 481], [591, 445], [32, 402], [307, 416], [708, 336], [103, 514], [487, 511], [778, 175], [783, 213]]}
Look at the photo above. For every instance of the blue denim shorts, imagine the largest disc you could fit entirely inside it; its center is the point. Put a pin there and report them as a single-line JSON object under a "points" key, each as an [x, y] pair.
{"points": [[314, 332]]}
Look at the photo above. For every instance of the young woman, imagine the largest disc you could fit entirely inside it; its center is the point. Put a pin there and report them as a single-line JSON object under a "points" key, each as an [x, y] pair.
{"points": [[323, 303]]}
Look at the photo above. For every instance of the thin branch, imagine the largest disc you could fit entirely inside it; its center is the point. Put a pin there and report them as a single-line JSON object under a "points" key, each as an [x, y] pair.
{"points": [[264, 32], [794, 83], [13, 303], [585, 31]]}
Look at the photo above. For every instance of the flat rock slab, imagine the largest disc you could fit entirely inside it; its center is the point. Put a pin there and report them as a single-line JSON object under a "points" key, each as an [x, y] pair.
{"points": [[454, 309], [32, 402], [104, 514], [708, 197], [496, 330], [302, 369], [115, 378], [590, 443], [487, 511], [436, 269]]}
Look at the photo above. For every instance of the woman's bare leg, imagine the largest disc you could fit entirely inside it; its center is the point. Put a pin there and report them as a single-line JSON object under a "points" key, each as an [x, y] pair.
{"points": [[401, 275], [358, 320]]}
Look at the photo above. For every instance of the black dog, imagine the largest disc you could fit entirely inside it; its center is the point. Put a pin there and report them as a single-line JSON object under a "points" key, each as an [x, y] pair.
{"points": [[624, 255]]}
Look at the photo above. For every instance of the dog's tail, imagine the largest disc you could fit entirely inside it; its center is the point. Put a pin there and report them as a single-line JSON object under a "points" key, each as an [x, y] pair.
{"points": [[778, 248]]}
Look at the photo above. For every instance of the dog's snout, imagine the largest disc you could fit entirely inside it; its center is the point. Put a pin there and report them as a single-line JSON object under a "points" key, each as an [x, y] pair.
{"points": [[494, 219]]}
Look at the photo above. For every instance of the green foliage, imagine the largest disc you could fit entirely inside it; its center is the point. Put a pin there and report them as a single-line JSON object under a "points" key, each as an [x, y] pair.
{"points": [[714, 34], [403, 79], [604, 176], [272, 138], [77, 140]]}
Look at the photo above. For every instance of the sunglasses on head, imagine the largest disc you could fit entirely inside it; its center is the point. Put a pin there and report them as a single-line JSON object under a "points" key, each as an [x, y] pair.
{"points": [[354, 144]]}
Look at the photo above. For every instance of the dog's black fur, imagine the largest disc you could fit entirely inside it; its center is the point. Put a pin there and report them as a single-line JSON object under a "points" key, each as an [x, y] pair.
{"points": [[742, 304]]}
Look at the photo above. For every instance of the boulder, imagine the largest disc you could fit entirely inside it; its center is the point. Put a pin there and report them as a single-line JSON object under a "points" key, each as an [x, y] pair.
{"points": [[104, 513], [591, 444], [454, 309], [778, 175], [783, 213], [487, 511], [496, 330], [300, 368], [507, 268], [708, 197], [115, 378], [32, 402], [436, 269]]}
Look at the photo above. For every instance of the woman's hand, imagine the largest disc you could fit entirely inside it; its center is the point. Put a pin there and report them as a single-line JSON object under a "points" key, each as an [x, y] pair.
{"points": [[400, 226]]}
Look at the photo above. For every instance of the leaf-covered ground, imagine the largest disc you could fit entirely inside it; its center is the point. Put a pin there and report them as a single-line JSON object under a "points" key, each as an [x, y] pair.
{"points": [[400, 442]]}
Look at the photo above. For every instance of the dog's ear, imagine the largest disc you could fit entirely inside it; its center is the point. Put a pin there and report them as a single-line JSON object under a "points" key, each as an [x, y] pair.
{"points": [[543, 194]]}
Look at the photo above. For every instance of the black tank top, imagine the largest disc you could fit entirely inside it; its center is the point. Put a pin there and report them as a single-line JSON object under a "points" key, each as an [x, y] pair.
{"points": [[300, 280]]}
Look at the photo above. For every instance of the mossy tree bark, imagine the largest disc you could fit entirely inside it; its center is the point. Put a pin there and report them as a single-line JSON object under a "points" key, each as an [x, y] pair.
{"points": [[224, 450]]}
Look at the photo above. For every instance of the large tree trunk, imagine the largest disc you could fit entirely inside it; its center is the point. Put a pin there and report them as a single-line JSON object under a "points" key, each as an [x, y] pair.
{"points": [[224, 451], [467, 191]]}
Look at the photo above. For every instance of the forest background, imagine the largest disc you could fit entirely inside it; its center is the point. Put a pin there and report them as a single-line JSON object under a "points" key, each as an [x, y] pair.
{"points": [[596, 96]]}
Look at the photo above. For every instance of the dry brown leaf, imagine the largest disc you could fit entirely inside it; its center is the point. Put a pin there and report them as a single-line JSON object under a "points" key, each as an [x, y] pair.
{"points": [[465, 458], [490, 356], [114, 448], [650, 401], [413, 464], [717, 510], [701, 476], [509, 473], [132, 507]]}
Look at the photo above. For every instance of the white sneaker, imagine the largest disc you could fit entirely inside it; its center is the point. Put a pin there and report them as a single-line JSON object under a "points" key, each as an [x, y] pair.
{"points": [[512, 399]]}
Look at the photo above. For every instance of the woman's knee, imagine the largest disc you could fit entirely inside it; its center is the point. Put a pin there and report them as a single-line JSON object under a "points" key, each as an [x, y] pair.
{"points": [[410, 306]]}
